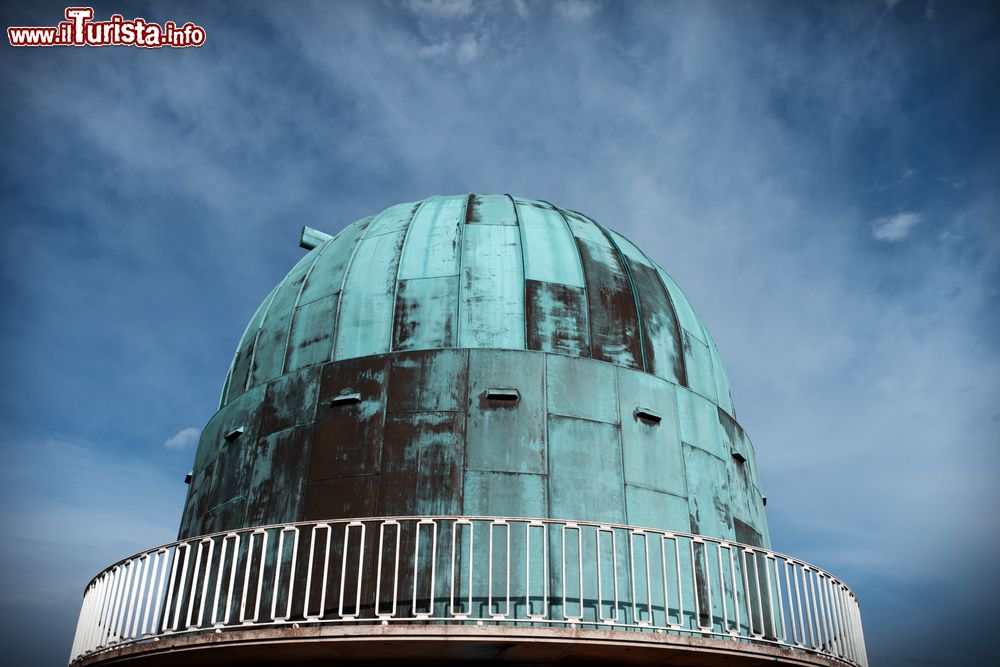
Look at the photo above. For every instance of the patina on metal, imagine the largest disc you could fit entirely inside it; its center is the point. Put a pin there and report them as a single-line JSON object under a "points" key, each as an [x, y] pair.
{"points": [[475, 356]]}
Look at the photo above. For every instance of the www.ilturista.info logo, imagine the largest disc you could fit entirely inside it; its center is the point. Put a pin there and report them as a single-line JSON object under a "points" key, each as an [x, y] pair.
{"points": [[79, 29]]}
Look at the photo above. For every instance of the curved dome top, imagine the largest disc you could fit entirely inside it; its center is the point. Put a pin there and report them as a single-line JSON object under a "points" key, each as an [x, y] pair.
{"points": [[479, 271]]}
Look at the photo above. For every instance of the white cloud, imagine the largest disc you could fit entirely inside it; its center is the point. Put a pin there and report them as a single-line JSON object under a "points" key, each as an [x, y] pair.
{"points": [[893, 228], [576, 10], [441, 9], [183, 439], [467, 51]]}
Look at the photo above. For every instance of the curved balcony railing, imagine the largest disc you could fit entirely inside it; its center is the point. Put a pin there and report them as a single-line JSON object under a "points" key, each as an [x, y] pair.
{"points": [[470, 570]]}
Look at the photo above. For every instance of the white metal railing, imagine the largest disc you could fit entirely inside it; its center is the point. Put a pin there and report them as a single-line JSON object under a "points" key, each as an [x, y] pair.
{"points": [[471, 570]]}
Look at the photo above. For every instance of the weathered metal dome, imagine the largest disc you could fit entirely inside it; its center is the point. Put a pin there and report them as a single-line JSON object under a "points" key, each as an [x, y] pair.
{"points": [[619, 407], [479, 271]]}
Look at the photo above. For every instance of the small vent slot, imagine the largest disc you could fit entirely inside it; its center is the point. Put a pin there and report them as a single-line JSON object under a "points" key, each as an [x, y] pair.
{"points": [[187, 477], [345, 399], [505, 395], [235, 433], [739, 457], [648, 416]]}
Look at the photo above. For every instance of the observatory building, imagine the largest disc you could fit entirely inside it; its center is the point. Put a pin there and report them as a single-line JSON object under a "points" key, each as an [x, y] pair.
{"points": [[472, 428]]}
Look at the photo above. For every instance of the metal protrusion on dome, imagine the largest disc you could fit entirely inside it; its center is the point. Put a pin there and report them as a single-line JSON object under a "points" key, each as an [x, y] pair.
{"points": [[508, 395], [345, 399], [647, 415], [310, 238]]}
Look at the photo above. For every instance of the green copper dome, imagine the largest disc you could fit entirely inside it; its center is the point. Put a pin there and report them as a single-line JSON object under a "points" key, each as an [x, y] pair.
{"points": [[479, 271]]}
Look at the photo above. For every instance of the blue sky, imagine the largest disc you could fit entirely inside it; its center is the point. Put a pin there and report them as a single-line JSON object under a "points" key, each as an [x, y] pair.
{"points": [[823, 179]]}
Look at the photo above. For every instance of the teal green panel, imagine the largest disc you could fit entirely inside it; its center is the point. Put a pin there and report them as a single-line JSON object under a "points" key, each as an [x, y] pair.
{"points": [[236, 382], [685, 312], [567, 376], [651, 451], [585, 470], [277, 483], [745, 499], [504, 494], [327, 275], [269, 354], [501, 435], [426, 310], [367, 302], [721, 379], [434, 242], [550, 253], [491, 210], [734, 439], [585, 229], [491, 309], [653, 509], [698, 363], [629, 249], [310, 340], [708, 494], [429, 381], [290, 400], [392, 220], [699, 423], [556, 318]]}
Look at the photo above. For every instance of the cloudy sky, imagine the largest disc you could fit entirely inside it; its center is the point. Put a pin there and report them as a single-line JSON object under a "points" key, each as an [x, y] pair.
{"points": [[823, 179]]}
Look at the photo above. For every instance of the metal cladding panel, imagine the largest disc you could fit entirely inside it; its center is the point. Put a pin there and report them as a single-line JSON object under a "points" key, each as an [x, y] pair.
{"points": [[364, 325], [708, 494], [342, 498], [230, 485], [491, 307], [290, 401], [504, 494], [745, 500], [734, 439], [660, 328], [653, 509], [278, 478], [585, 229], [549, 249], [698, 362], [392, 220], [502, 435], [327, 275], [348, 436], [429, 381], [243, 412], [236, 382], [699, 420], [721, 379], [433, 245], [557, 318], [585, 470], [491, 210], [198, 503], [310, 340], [269, 354], [614, 322], [426, 312], [685, 312], [651, 450], [629, 249], [582, 388], [422, 464]]}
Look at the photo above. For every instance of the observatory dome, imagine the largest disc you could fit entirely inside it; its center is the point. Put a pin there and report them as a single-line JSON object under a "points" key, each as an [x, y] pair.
{"points": [[477, 355]]}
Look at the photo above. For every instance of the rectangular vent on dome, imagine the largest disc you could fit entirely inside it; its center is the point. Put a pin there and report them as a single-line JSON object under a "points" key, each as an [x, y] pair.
{"points": [[235, 433], [505, 395], [345, 399], [739, 457], [647, 415]]}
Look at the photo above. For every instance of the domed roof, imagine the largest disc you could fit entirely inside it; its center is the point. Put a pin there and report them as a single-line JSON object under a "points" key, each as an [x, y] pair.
{"points": [[479, 271]]}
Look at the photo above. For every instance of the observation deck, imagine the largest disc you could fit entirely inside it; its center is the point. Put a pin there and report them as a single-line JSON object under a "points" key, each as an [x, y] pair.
{"points": [[458, 588]]}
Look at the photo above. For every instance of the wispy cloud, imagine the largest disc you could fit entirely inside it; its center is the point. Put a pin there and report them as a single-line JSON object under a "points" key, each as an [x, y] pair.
{"points": [[183, 439], [894, 228], [576, 10]]}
